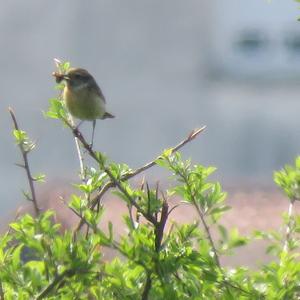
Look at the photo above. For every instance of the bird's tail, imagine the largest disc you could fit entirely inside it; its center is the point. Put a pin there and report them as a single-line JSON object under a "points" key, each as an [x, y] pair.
{"points": [[107, 115]]}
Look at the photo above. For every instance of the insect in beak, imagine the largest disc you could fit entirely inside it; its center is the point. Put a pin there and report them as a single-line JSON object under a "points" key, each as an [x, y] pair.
{"points": [[59, 77]]}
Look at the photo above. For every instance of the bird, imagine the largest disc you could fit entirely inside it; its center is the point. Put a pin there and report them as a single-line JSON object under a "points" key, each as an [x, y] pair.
{"points": [[83, 96]]}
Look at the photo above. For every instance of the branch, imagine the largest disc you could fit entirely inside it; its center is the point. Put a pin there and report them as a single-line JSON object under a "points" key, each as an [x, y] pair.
{"points": [[26, 165], [56, 280], [288, 226], [77, 134], [209, 236], [206, 228], [160, 227], [147, 287], [127, 176], [1, 292], [203, 221], [152, 163], [114, 181], [81, 160], [212, 244]]}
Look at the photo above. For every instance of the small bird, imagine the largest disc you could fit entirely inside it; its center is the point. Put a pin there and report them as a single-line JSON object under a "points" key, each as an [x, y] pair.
{"points": [[83, 97]]}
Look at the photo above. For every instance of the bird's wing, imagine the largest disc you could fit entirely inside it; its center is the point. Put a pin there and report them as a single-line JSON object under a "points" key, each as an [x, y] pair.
{"points": [[97, 89]]}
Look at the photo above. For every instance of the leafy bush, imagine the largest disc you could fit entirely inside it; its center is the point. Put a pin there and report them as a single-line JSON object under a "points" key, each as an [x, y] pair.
{"points": [[157, 258]]}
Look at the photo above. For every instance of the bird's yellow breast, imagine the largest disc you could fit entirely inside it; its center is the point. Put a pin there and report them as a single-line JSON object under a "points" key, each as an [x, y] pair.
{"points": [[83, 103]]}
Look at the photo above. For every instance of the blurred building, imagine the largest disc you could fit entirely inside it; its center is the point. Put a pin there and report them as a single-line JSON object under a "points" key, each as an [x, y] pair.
{"points": [[255, 39]]}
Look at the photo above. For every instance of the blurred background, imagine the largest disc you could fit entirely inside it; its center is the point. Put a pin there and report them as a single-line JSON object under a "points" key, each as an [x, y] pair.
{"points": [[165, 67]]}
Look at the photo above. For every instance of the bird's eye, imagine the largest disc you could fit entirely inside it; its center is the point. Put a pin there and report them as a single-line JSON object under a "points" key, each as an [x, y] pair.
{"points": [[77, 76]]}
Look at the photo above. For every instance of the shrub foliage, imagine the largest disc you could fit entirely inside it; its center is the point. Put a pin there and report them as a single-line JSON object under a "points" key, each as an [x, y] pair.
{"points": [[157, 258]]}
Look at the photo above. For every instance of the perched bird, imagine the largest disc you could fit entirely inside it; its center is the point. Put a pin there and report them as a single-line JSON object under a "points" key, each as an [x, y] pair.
{"points": [[83, 97]]}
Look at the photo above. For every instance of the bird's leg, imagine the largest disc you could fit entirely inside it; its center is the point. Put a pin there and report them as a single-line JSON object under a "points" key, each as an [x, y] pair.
{"points": [[76, 129], [79, 124], [93, 133]]}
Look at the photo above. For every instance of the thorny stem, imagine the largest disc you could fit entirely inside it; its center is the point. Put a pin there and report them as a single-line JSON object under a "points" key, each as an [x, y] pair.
{"points": [[26, 166]]}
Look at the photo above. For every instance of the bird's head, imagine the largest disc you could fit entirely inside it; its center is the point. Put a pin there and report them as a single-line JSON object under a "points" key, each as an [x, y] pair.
{"points": [[75, 78]]}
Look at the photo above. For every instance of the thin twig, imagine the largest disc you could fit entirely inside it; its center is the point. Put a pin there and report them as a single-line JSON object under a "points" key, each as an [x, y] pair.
{"points": [[1, 291], [211, 241], [206, 227], [118, 184], [94, 203], [288, 226], [127, 176], [209, 236], [56, 280], [26, 166], [152, 163], [173, 208], [203, 221], [147, 287], [129, 207], [77, 134], [160, 227], [81, 160]]}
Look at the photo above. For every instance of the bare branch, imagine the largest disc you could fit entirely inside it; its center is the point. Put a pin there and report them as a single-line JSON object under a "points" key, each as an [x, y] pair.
{"points": [[79, 153], [160, 227], [152, 163], [26, 165]]}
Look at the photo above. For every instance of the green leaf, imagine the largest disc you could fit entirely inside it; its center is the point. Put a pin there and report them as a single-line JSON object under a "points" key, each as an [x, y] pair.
{"points": [[219, 210], [167, 152], [223, 232], [39, 178], [20, 136], [56, 110], [110, 230], [16, 257]]}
